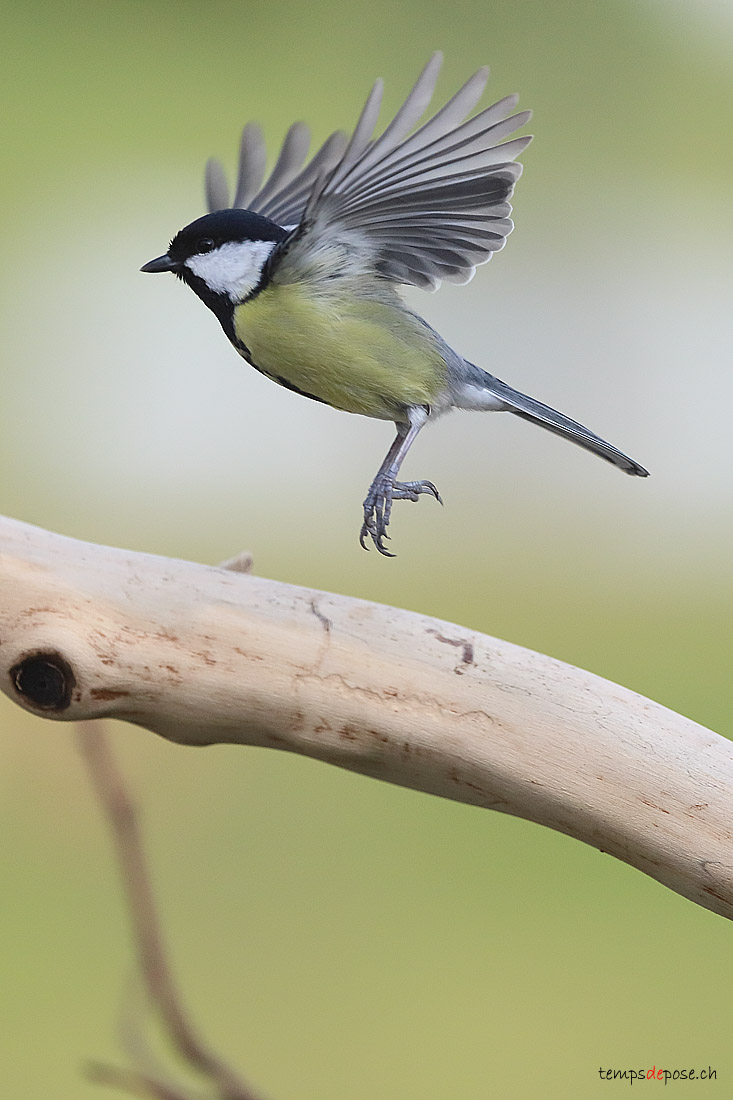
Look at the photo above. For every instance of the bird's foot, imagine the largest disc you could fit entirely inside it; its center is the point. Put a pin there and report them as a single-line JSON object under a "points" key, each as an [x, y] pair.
{"points": [[378, 507]]}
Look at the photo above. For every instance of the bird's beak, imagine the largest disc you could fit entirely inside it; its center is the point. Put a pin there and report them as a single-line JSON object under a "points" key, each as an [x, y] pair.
{"points": [[162, 263]]}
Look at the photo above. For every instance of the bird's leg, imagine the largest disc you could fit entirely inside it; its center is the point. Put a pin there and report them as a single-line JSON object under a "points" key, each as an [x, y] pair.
{"points": [[385, 488]]}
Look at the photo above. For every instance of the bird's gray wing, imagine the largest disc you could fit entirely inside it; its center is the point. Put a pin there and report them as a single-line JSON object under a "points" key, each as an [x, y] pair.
{"points": [[284, 195], [417, 205]]}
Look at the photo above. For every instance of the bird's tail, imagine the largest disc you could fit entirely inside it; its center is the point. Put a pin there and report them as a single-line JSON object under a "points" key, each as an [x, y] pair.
{"points": [[528, 408]]}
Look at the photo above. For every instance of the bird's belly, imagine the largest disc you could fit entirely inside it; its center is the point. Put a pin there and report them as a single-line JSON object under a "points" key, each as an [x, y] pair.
{"points": [[359, 355]]}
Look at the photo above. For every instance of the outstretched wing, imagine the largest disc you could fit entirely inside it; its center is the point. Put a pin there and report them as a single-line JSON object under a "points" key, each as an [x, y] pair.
{"points": [[415, 206]]}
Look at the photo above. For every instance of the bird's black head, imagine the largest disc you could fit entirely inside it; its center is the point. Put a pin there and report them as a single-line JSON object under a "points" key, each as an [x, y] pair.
{"points": [[222, 256], [210, 232]]}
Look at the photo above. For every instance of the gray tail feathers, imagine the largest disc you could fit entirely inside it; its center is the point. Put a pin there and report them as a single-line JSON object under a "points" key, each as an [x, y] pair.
{"points": [[537, 413]]}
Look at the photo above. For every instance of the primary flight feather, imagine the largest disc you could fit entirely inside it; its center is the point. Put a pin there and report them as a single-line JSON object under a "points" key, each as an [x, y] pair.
{"points": [[302, 269]]}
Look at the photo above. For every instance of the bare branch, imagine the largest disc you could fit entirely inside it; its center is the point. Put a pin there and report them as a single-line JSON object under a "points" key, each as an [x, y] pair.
{"points": [[154, 966], [201, 655]]}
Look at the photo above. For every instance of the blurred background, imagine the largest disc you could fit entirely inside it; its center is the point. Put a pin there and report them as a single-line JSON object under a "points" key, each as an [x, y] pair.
{"points": [[336, 936]]}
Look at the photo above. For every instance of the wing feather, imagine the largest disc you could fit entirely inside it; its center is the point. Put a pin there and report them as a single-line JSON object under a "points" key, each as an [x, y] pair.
{"points": [[287, 206], [431, 169], [290, 160], [418, 205], [284, 195], [217, 188], [424, 140], [424, 205], [251, 164], [362, 133], [406, 118]]}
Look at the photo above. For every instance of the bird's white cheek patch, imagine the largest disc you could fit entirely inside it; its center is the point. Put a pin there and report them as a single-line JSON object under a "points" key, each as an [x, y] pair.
{"points": [[234, 268]]}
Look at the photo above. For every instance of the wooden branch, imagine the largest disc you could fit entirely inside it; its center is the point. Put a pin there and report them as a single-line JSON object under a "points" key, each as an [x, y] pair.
{"points": [[201, 654]]}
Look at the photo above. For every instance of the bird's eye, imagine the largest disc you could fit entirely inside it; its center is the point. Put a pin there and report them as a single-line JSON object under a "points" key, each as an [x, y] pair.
{"points": [[204, 245]]}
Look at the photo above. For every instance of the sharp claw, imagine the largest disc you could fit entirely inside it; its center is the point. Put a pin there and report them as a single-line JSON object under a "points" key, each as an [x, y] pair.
{"points": [[378, 508]]}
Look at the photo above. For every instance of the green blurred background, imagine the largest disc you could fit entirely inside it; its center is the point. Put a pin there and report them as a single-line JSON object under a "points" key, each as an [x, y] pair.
{"points": [[339, 937]]}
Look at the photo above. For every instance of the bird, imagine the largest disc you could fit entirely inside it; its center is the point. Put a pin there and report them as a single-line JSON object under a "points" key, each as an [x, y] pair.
{"points": [[303, 269]]}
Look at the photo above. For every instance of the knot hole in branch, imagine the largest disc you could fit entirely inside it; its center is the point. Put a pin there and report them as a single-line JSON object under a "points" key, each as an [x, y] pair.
{"points": [[44, 680]]}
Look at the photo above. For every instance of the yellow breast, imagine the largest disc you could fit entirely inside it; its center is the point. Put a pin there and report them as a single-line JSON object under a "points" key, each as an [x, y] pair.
{"points": [[364, 356]]}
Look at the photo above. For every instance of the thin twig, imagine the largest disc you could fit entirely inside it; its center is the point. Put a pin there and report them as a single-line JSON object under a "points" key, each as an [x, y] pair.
{"points": [[140, 1084], [152, 956]]}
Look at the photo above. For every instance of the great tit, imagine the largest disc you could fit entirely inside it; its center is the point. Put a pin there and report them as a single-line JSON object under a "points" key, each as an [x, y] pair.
{"points": [[302, 270]]}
